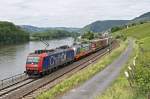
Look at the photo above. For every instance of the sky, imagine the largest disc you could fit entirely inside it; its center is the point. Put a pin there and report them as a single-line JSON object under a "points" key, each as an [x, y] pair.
{"points": [[69, 13]]}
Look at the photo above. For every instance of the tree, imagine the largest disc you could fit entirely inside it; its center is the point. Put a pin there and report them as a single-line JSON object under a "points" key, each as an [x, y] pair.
{"points": [[54, 34], [9, 33], [88, 35]]}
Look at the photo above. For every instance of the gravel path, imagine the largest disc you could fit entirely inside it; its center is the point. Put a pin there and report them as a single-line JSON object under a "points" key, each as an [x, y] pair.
{"points": [[97, 84]]}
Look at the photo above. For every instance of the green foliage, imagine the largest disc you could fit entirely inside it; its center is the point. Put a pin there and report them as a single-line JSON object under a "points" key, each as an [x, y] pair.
{"points": [[9, 34], [142, 71], [34, 29], [120, 36], [100, 26], [54, 34], [88, 35], [138, 31], [117, 28], [142, 79]]}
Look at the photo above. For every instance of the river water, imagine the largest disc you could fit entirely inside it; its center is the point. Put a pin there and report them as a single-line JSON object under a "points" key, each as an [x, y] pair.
{"points": [[13, 57]]}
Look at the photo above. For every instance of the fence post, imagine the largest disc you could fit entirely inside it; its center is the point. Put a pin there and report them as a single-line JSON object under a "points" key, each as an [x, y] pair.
{"points": [[128, 78], [131, 73]]}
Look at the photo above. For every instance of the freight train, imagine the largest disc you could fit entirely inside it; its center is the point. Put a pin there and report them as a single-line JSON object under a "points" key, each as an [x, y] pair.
{"points": [[42, 62]]}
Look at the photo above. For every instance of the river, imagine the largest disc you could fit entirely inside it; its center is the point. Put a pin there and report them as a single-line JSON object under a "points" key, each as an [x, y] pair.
{"points": [[13, 57]]}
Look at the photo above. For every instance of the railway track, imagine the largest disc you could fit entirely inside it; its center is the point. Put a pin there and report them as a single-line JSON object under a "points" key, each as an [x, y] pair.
{"points": [[11, 81], [51, 84], [15, 86], [30, 87]]}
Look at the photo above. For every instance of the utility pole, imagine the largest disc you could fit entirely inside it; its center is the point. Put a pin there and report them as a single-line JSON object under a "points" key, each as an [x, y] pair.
{"points": [[109, 41]]}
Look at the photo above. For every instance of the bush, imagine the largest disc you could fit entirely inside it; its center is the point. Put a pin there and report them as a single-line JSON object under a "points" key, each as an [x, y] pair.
{"points": [[142, 73], [117, 28], [89, 35], [120, 36]]}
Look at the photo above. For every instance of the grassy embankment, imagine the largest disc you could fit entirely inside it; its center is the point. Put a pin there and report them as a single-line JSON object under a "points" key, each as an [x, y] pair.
{"points": [[82, 75], [121, 89], [138, 31]]}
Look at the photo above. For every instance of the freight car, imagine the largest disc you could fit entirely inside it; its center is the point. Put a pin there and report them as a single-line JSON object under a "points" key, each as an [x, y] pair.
{"points": [[44, 61], [40, 63], [99, 44], [83, 50]]}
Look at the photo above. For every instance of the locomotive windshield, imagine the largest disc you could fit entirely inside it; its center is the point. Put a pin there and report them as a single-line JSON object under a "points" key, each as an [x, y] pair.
{"points": [[32, 60]]}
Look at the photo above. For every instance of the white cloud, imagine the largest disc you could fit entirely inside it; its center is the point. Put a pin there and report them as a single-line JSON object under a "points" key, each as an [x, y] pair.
{"points": [[74, 13]]}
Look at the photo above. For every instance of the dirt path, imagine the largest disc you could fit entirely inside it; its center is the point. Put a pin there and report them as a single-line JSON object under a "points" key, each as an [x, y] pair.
{"points": [[97, 84]]}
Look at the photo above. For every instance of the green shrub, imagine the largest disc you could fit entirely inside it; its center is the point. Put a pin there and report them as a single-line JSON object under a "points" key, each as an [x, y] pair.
{"points": [[142, 71]]}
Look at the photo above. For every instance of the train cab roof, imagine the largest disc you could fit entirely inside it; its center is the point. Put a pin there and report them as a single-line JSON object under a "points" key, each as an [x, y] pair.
{"points": [[59, 50], [43, 53], [37, 55]]}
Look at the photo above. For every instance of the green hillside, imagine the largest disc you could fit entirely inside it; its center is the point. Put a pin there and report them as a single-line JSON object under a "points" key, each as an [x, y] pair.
{"points": [[146, 43], [100, 26], [143, 17], [10, 33], [34, 29], [53, 34], [139, 31]]}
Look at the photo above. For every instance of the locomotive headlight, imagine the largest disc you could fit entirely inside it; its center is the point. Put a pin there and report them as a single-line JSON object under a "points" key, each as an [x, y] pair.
{"points": [[35, 65]]}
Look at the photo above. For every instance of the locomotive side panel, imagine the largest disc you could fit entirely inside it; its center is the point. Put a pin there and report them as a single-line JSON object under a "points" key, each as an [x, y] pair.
{"points": [[57, 59], [70, 54]]}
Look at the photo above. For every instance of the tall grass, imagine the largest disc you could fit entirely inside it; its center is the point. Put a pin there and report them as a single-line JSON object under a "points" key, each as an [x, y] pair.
{"points": [[121, 89], [82, 75], [139, 31]]}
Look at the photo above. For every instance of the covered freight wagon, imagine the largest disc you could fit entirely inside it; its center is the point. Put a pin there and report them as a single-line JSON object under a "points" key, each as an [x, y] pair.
{"points": [[81, 50], [99, 44]]}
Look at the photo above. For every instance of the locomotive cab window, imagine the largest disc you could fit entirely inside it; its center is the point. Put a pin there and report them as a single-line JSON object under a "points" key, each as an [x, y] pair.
{"points": [[32, 60]]}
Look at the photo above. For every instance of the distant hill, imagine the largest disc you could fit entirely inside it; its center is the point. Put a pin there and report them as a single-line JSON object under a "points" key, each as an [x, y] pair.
{"points": [[30, 28], [97, 26], [53, 34], [100, 26], [34, 29], [143, 17], [69, 29], [139, 31]]}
